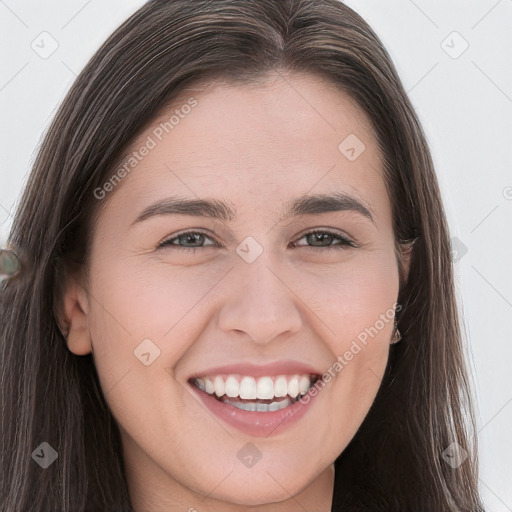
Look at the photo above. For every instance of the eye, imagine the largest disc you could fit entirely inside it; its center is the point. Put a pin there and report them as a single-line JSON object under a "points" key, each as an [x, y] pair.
{"points": [[196, 238], [323, 240]]}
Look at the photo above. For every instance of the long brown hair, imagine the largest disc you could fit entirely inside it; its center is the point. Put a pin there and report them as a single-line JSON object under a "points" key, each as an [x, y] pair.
{"points": [[396, 460]]}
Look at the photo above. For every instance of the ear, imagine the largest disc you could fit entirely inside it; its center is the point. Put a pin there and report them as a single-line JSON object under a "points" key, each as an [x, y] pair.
{"points": [[73, 316]]}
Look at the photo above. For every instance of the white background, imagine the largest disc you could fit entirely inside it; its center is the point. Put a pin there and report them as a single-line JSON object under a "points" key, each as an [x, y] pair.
{"points": [[464, 103]]}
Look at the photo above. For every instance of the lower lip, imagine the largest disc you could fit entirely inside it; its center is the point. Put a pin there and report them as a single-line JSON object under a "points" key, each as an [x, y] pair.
{"points": [[254, 423]]}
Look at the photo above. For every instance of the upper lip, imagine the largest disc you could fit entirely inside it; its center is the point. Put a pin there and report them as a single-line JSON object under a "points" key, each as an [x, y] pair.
{"points": [[283, 367]]}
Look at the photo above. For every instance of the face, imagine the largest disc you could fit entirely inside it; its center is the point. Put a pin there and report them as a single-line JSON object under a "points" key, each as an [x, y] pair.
{"points": [[286, 283]]}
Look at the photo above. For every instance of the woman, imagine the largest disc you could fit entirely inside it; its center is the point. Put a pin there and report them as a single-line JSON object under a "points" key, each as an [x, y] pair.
{"points": [[236, 289]]}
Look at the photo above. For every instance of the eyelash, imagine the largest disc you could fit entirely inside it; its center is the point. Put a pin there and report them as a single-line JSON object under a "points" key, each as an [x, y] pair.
{"points": [[344, 242]]}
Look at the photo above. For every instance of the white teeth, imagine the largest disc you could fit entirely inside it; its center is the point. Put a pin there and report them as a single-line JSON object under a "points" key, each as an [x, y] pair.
{"points": [[265, 388], [275, 406], [218, 385], [248, 388], [304, 384], [208, 386], [249, 406], [293, 386], [232, 387], [258, 407], [281, 386]]}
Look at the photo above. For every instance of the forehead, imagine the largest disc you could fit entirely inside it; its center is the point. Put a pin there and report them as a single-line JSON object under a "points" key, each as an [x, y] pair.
{"points": [[282, 137]]}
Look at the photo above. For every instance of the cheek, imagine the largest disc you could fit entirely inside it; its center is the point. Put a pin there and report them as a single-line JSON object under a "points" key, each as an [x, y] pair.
{"points": [[133, 304], [140, 312], [352, 298], [356, 307], [143, 301], [365, 303]]}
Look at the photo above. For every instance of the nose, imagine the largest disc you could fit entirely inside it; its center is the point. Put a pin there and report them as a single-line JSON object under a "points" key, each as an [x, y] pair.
{"points": [[260, 302]]}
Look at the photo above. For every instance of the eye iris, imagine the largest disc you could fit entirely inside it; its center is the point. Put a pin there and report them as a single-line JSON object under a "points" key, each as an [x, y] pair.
{"points": [[319, 237], [192, 238]]}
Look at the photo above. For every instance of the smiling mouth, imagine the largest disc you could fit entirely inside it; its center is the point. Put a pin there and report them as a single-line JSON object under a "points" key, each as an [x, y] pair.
{"points": [[265, 394]]}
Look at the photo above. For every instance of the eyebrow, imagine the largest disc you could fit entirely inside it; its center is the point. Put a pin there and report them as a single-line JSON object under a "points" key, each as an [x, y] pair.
{"points": [[211, 208]]}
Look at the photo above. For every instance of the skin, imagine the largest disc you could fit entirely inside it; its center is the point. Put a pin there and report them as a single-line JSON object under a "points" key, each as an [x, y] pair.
{"points": [[255, 147]]}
